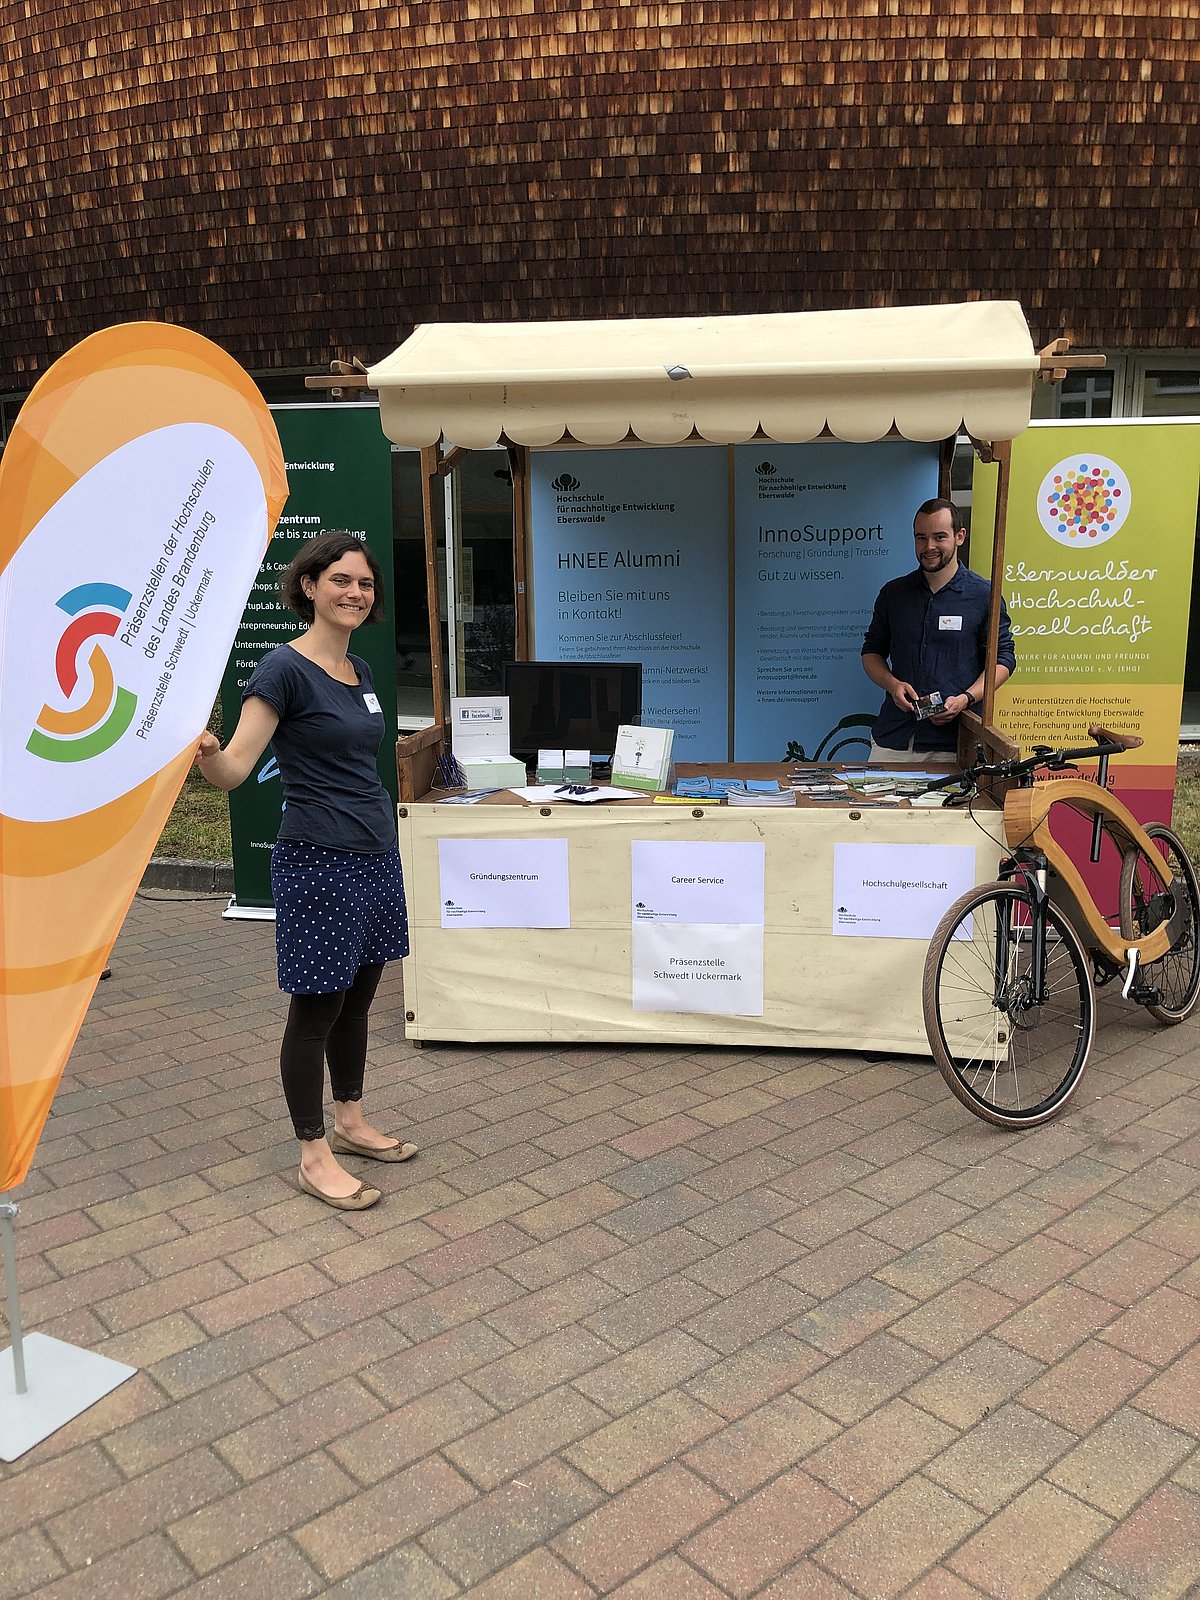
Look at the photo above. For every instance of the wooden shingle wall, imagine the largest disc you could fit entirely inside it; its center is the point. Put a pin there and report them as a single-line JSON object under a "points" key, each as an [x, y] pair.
{"points": [[304, 178]]}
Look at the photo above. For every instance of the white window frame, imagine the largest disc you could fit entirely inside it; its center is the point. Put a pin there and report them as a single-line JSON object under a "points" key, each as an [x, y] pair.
{"points": [[1143, 363]]}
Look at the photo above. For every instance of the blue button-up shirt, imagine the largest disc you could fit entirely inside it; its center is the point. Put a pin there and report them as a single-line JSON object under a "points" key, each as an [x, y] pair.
{"points": [[933, 641]]}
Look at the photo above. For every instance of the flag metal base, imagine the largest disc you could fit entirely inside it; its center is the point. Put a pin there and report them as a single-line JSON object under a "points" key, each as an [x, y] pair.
{"points": [[63, 1382], [44, 1383]]}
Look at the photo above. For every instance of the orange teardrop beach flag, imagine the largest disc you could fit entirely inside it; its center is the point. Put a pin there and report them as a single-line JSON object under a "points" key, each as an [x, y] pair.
{"points": [[138, 491]]}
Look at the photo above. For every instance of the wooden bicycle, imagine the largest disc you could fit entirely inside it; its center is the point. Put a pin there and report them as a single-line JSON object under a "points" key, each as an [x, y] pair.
{"points": [[1008, 990]]}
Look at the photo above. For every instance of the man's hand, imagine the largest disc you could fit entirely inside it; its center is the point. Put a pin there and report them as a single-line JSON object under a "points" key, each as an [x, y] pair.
{"points": [[953, 706], [904, 696]]}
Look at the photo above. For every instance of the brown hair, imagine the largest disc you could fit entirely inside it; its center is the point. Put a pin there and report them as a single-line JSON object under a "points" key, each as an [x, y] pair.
{"points": [[311, 560], [932, 507]]}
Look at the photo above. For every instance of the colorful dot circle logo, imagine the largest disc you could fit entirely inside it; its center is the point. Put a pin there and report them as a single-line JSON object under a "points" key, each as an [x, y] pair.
{"points": [[1083, 501], [81, 732]]}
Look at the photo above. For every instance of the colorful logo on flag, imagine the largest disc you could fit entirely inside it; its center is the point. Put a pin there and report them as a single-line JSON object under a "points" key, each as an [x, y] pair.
{"points": [[83, 731], [1083, 500]]}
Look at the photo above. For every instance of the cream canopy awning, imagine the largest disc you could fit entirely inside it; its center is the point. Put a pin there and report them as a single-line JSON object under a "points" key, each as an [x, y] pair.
{"points": [[922, 372]]}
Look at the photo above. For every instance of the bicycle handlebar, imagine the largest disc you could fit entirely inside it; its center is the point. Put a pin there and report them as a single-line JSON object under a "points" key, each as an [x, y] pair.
{"points": [[1107, 744]]}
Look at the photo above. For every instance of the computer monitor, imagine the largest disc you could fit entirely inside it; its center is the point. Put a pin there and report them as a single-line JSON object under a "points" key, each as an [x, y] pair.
{"points": [[570, 705]]}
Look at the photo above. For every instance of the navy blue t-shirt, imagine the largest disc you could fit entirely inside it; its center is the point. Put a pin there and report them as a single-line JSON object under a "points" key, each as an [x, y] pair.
{"points": [[326, 744], [933, 641]]}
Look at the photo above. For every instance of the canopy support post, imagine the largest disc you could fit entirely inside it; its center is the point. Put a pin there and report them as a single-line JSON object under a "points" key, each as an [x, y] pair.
{"points": [[945, 463], [518, 466], [431, 475], [1002, 454]]}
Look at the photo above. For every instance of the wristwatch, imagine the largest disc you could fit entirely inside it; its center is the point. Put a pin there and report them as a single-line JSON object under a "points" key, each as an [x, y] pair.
{"points": [[970, 698]]}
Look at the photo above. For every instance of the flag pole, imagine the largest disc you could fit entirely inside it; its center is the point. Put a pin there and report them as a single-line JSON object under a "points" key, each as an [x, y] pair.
{"points": [[9, 1211]]}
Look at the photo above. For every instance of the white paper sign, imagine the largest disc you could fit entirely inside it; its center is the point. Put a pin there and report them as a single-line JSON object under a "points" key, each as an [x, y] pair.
{"points": [[716, 970], [504, 883], [678, 881], [897, 891]]}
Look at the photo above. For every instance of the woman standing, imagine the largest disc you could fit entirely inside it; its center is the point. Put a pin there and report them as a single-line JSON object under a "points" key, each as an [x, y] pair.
{"points": [[335, 869]]}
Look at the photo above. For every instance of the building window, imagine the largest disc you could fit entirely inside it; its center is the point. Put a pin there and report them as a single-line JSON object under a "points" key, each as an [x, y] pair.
{"points": [[1079, 395], [1169, 391], [1086, 394]]}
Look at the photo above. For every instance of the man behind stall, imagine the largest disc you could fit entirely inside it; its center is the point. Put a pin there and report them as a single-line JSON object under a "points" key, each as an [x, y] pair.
{"points": [[928, 635]]}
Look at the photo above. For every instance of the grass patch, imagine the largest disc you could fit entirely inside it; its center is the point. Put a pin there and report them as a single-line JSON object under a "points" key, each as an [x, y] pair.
{"points": [[1185, 818], [198, 827]]}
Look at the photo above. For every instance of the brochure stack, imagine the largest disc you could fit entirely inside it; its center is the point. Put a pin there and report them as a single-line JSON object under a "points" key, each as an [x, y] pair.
{"points": [[642, 758]]}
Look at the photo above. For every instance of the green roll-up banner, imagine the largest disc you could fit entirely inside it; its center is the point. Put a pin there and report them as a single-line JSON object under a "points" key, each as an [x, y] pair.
{"points": [[339, 477]]}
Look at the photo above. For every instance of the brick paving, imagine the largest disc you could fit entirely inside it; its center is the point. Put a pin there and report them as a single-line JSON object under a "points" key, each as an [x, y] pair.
{"points": [[650, 1323]]}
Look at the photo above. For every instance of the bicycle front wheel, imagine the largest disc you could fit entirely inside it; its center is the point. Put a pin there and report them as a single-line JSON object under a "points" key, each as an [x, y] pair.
{"points": [[1145, 903], [1010, 1057]]}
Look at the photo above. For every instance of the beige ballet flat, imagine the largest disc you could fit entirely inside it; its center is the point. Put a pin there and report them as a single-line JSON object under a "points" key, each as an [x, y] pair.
{"points": [[361, 1200], [342, 1146]]}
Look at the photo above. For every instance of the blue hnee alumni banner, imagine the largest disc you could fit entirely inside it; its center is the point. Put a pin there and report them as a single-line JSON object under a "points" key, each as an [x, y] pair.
{"points": [[630, 564]]}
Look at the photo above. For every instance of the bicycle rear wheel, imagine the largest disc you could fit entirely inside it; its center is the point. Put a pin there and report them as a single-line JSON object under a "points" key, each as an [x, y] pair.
{"points": [[1010, 1060], [1145, 903]]}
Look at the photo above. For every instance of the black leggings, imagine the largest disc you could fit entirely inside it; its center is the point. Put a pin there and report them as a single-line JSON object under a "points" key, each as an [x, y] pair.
{"points": [[320, 1028]]}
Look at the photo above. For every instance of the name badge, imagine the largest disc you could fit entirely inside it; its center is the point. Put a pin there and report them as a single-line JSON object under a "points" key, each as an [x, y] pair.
{"points": [[371, 701], [949, 624]]}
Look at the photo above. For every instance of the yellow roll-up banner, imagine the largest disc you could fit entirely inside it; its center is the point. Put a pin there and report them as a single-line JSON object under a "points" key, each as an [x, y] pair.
{"points": [[138, 491], [1098, 581]]}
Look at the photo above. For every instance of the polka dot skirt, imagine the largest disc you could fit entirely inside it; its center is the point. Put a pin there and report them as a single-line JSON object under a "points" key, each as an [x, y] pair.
{"points": [[335, 911]]}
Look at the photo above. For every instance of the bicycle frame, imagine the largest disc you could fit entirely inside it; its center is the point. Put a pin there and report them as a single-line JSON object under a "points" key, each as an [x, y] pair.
{"points": [[1030, 867], [1026, 828], [1011, 1012]]}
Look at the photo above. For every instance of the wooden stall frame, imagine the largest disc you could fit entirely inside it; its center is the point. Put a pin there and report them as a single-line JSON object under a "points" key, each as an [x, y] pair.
{"points": [[559, 1002], [416, 760], [416, 755]]}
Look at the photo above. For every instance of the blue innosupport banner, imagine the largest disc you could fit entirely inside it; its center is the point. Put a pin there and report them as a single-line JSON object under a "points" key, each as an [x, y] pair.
{"points": [[630, 563], [819, 528]]}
